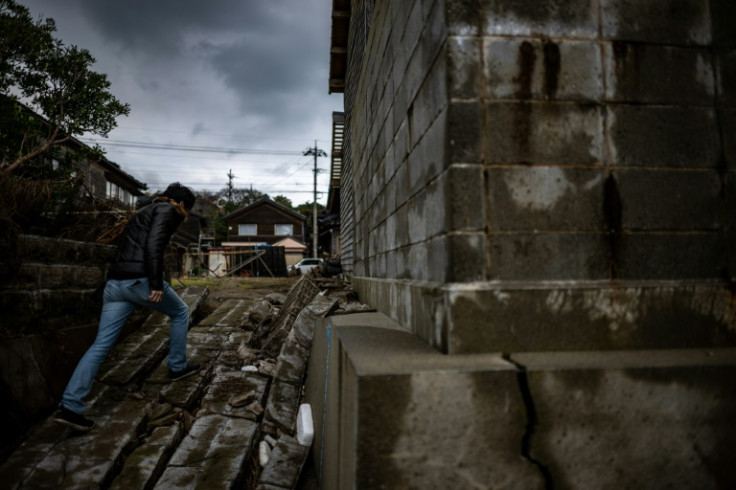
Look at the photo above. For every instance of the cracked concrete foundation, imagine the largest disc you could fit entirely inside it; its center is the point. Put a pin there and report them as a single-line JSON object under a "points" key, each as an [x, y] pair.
{"points": [[391, 411]]}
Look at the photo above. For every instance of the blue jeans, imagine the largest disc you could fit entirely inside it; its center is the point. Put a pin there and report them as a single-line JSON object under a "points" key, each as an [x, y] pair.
{"points": [[120, 299]]}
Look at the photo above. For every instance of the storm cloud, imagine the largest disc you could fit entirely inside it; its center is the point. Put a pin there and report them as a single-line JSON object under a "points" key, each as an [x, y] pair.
{"points": [[237, 74]]}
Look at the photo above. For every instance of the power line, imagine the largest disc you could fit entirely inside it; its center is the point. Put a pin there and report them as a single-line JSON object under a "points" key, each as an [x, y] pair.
{"points": [[194, 157], [207, 149], [222, 186], [213, 133]]}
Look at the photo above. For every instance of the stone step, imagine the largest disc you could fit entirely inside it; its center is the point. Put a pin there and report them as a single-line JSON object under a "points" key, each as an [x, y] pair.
{"points": [[213, 455], [53, 456], [148, 461], [229, 314], [142, 350], [198, 432], [57, 457], [284, 466]]}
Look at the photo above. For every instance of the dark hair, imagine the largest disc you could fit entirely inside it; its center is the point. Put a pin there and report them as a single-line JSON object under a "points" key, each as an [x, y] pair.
{"points": [[180, 193]]}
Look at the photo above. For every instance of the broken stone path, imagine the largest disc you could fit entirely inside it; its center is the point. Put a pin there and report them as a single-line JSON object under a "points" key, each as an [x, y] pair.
{"points": [[204, 431]]}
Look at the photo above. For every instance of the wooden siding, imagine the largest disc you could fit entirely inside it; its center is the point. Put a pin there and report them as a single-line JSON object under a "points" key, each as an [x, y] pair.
{"points": [[265, 216]]}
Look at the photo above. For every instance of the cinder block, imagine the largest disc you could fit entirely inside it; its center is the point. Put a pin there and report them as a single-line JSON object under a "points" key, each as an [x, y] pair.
{"points": [[410, 25], [464, 132], [663, 136], [649, 419], [658, 74], [553, 18], [402, 268], [402, 230], [517, 68], [543, 133], [416, 71], [670, 200], [726, 66], [544, 198], [428, 159], [463, 67], [432, 97], [464, 186], [400, 108], [553, 256], [423, 209], [435, 25], [462, 18], [456, 257], [657, 22], [671, 256], [418, 261]]}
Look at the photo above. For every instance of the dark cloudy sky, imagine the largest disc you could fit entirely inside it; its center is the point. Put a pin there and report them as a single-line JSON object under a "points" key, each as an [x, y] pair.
{"points": [[249, 77]]}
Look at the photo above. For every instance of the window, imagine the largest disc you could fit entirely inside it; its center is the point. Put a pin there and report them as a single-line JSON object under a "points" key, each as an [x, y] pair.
{"points": [[112, 190], [249, 229], [282, 230]]}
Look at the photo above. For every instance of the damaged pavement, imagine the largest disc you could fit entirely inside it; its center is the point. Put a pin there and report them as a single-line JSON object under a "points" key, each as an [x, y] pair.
{"points": [[232, 425]]}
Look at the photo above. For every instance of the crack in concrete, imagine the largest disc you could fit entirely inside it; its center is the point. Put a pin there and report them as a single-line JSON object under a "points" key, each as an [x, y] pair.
{"points": [[531, 422]]}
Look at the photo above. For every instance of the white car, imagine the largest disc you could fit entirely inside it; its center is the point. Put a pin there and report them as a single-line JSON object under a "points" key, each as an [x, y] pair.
{"points": [[306, 265]]}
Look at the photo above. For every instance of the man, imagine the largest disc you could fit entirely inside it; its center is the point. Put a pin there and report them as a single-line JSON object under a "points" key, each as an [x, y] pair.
{"points": [[136, 278]]}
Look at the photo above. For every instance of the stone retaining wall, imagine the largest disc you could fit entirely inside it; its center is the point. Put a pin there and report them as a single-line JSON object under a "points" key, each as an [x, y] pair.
{"points": [[48, 320]]}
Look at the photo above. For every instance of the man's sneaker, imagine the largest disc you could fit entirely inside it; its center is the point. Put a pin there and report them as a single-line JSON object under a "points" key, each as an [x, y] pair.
{"points": [[72, 419], [192, 368]]}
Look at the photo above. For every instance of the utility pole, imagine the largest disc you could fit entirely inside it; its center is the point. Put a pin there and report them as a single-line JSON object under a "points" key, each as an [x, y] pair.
{"points": [[316, 152], [230, 178]]}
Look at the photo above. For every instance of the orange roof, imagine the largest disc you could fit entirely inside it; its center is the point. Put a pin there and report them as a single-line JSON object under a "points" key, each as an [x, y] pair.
{"points": [[291, 245]]}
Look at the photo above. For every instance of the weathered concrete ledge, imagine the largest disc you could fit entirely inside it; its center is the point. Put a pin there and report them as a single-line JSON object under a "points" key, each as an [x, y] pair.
{"points": [[402, 414], [509, 316]]}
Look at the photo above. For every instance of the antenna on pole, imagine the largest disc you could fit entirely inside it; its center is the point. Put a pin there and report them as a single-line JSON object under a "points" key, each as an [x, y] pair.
{"points": [[316, 152]]}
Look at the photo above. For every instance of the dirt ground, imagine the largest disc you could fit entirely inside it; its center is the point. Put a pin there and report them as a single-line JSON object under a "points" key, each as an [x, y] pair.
{"points": [[248, 288]]}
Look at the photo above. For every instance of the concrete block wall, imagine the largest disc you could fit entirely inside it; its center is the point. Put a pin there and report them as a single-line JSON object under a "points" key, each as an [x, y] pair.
{"points": [[489, 136], [398, 132], [543, 210], [510, 143]]}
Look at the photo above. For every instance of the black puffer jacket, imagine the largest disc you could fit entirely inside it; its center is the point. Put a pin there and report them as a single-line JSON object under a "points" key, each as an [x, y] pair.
{"points": [[141, 247]]}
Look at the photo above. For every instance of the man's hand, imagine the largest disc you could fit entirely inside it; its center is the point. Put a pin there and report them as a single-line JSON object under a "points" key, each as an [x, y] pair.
{"points": [[156, 296]]}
